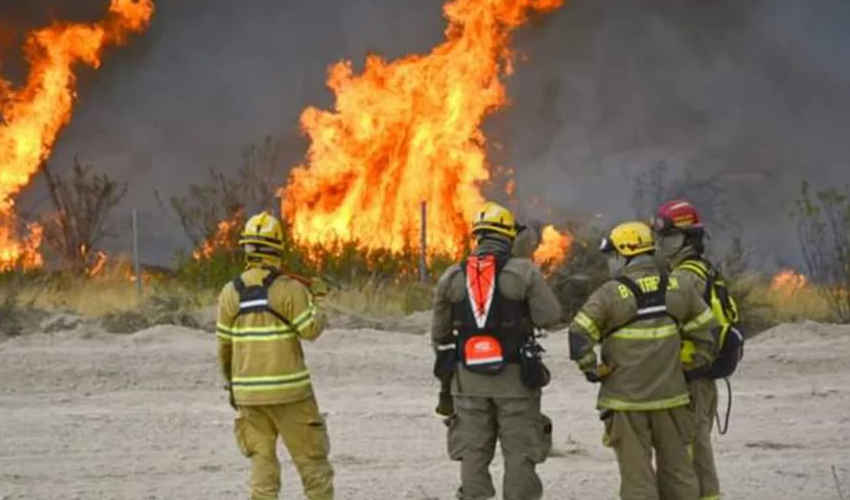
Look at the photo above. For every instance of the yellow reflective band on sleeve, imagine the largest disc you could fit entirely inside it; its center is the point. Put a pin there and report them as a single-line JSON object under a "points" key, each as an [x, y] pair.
{"points": [[695, 267], [699, 322], [271, 383], [655, 333], [223, 331], [588, 324], [305, 318], [661, 404]]}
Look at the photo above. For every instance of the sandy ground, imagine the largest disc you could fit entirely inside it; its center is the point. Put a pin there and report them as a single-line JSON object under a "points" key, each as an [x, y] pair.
{"points": [[89, 415]]}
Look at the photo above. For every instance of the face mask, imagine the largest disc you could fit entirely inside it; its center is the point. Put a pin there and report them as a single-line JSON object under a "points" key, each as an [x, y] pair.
{"points": [[669, 246]]}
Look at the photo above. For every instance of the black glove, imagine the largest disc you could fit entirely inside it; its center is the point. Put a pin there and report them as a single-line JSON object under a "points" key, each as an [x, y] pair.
{"points": [[445, 405], [592, 376]]}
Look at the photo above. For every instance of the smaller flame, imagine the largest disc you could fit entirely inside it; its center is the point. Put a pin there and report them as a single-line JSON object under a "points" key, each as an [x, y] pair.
{"points": [[222, 239], [788, 282], [100, 260], [554, 247]]}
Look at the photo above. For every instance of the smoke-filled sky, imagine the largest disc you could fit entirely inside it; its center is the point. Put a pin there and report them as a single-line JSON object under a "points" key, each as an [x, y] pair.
{"points": [[753, 96]]}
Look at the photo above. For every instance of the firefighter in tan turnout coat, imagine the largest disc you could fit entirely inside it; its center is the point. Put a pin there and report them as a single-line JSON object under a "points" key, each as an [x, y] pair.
{"points": [[680, 240], [485, 311], [262, 318], [641, 318]]}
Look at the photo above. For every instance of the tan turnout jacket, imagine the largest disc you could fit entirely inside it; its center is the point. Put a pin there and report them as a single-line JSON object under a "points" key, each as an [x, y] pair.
{"points": [[260, 355], [648, 373]]}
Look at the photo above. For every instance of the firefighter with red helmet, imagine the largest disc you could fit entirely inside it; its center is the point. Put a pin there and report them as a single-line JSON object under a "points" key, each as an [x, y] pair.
{"points": [[485, 312], [681, 237]]}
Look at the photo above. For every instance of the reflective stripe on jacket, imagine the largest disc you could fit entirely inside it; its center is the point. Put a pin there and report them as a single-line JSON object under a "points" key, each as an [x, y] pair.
{"points": [[261, 355]]}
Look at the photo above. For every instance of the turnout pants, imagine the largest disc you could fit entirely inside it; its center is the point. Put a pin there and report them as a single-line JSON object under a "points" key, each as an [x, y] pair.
{"points": [[305, 436], [635, 435], [704, 401], [525, 435]]}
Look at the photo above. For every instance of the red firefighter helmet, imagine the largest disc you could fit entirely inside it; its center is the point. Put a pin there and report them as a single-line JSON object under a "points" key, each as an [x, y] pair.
{"points": [[676, 215]]}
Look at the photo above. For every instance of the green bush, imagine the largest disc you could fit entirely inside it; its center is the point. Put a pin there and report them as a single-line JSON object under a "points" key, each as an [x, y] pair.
{"points": [[208, 273]]}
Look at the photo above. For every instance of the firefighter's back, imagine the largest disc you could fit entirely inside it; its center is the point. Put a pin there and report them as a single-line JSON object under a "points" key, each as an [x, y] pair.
{"points": [[262, 318]]}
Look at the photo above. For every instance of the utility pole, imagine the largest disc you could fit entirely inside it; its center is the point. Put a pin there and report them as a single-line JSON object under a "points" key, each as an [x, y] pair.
{"points": [[136, 265], [423, 264]]}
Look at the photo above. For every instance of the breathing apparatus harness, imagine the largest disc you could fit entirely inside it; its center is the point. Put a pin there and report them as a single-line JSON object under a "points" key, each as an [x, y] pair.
{"points": [[731, 340]]}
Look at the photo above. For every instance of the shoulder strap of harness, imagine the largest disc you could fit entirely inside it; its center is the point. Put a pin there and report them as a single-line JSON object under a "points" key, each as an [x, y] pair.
{"points": [[239, 285], [256, 298], [705, 271], [269, 279]]}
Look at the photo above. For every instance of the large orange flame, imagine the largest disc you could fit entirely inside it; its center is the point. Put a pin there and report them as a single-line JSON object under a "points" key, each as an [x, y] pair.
{"points": [[404, 132], [34, 114]]}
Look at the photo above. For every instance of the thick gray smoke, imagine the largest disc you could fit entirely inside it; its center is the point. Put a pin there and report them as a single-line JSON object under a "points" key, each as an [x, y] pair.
{"points": [[750, 96]]}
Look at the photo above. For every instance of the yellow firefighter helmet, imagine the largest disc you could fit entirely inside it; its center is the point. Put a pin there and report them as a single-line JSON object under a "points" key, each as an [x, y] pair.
{"points": [[496, 218], [629, 239], [263, 231]]}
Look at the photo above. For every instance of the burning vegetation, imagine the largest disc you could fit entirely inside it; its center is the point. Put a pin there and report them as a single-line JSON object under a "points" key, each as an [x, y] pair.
{"points": [[407, 131], [35, 113], [788, 282], [225, 238], [553, 247]]}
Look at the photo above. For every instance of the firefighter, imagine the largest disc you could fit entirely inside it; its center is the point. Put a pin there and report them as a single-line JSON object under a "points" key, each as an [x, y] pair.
{"points": [[485, 311], [643, 396], [681, 236], [262, 317]]}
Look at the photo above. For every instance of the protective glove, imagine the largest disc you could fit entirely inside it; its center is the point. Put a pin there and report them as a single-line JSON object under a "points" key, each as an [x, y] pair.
{"points": [[445, 405], [599, 372]]}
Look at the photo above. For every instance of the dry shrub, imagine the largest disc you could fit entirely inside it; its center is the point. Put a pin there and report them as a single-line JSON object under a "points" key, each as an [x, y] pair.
{"points": [[10, 321], [763, 305], [823, 230], [83, 202], [382, 299]]}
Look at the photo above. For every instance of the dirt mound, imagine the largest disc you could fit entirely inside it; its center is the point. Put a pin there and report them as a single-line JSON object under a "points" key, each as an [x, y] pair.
{"points": [[167, 333], [341, 318], [804, 332]]}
